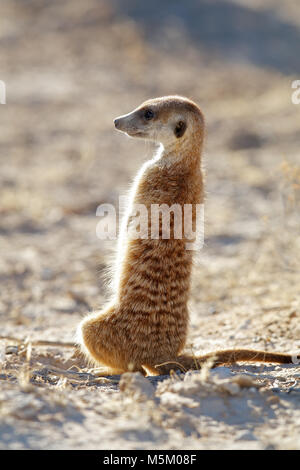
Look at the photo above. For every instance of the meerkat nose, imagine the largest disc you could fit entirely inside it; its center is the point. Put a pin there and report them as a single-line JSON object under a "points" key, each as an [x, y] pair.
{"points": [[117, 123]]}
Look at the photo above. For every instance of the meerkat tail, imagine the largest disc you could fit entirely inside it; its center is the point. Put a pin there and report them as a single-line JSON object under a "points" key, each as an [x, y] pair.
{"points": [[226, 357], [232, 356]]}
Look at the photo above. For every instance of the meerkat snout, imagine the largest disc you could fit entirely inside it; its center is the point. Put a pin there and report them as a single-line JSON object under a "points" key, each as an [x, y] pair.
{"points": [[117, 123], [129, 124]]}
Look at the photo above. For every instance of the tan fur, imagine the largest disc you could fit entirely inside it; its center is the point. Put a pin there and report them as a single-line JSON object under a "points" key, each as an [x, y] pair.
{"points": [[145, 324]]}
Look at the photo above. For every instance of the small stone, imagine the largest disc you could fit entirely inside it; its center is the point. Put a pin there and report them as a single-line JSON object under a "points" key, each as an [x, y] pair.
{"points": [[136, 385], [245, 382], [231, 388], [11, 350], [246, 436]]}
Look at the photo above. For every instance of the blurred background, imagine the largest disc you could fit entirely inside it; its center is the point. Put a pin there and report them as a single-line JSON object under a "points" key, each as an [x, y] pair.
{"points": [[70, 67]]}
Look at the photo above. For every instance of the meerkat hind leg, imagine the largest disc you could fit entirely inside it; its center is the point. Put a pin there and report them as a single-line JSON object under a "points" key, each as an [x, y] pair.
{"points": [[148, 370]]}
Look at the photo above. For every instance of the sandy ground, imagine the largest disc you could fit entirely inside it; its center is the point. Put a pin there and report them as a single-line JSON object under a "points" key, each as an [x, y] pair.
{"points": [[70, 68]]}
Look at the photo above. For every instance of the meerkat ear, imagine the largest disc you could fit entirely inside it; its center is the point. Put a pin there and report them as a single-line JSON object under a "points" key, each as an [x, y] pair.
{"points": [[180, 129]]}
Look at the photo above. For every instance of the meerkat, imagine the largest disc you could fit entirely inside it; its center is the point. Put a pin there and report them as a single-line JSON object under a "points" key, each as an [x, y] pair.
{"points": [[144, 326]]}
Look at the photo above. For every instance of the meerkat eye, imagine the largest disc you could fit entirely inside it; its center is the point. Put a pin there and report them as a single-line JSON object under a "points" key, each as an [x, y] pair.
{"points": [[148, 114], [180, 129]]}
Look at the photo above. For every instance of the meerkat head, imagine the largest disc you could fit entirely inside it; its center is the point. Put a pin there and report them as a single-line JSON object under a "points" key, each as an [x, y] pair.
{"points": [[166, 120]]}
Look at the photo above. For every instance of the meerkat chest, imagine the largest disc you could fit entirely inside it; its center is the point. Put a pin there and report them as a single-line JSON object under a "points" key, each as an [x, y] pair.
{"points": [[163, 186]]}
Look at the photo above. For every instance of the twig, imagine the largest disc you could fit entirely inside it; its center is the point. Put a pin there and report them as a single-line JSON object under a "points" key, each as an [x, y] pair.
{"points": [[40, 342], [74, 376]]}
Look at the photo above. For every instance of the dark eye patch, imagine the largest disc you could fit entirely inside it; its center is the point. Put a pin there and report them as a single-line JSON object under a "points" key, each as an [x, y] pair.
{"points": [[148, 114], [180, 129]]}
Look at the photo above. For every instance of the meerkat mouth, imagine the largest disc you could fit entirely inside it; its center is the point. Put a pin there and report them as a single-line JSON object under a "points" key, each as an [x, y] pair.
{"points": [[136, 133]]}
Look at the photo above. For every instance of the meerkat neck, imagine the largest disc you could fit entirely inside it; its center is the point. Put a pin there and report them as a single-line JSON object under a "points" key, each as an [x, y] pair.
{"points": [[182, 153]]}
